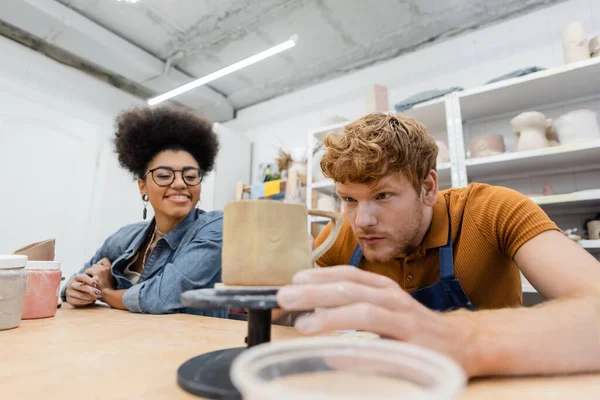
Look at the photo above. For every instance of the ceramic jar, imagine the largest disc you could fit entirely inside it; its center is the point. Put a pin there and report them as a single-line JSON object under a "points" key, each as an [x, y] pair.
{"points": [[483, 146], [531, 127], [593, 228], [443, 152], [13, 282], [575, 45], [577, 126], [43, 286]]}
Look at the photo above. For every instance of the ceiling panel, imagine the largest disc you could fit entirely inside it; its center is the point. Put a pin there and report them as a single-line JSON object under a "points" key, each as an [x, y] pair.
{"points": [[334, 36]]}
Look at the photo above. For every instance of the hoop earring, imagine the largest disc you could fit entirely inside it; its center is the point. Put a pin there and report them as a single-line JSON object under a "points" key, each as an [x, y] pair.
{"points": [[145, 200]]}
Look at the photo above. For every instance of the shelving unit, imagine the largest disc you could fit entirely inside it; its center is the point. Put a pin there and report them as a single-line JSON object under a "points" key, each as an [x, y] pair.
{"points": [[593, 246], [572, 170], [589, 198]]}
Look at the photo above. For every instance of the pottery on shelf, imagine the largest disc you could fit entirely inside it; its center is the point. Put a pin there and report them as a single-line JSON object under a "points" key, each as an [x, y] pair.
{"points": [[326, 202], [575, 44], [577, 126], [593, 228], [570, 233], [443, 152], [531, 128], [595, 46], [483, 146]]}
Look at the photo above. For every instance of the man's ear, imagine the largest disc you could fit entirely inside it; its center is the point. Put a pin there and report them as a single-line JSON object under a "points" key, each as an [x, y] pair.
{"points": [[429, 189]]}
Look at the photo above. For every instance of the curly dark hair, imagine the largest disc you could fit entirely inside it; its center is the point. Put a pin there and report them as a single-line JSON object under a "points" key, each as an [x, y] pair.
{"points": [[143, 132]]}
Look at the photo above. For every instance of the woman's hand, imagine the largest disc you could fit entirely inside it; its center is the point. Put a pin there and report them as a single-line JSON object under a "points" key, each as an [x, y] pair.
{"points": [[82, 291], [101, 272], [347, 298]]}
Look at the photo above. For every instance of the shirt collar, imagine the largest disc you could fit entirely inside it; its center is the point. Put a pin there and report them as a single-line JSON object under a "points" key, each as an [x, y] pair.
{"points": [[437, 235], [174, 237]]}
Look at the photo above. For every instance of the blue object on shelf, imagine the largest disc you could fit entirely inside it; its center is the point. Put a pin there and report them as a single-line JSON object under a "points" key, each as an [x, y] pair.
{"points": [[422, 97], [516, 74], [257, 191]]}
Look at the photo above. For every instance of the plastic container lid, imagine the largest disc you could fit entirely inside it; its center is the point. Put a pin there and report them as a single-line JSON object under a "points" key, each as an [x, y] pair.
{"points": [[12, 261], [343, 368], [43, 265]]}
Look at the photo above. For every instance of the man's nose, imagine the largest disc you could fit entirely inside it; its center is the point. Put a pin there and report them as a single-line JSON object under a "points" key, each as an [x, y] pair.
{"points": [[365, 215]]}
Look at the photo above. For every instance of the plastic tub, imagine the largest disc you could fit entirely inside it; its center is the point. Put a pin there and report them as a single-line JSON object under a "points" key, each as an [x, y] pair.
{"points": [[342, 368], [13, 281], [43, 287]]}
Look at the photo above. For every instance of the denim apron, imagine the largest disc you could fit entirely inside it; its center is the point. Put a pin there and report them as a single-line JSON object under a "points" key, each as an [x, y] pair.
{"points": [[445, 295]]}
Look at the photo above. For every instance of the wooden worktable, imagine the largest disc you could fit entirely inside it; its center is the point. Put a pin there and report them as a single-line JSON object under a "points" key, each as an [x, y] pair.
{"points": [[101, 353]]}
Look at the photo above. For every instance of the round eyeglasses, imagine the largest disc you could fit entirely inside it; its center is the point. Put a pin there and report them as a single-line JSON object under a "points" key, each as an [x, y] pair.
{"points": [[165, 176]]}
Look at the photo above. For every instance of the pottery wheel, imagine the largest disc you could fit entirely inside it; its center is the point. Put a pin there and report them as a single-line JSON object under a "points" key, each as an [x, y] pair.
{"points": [[207, 375]]}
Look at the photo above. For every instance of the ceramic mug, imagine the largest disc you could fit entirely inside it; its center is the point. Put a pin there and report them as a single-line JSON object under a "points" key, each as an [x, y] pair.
{"points": [[265, 242]]}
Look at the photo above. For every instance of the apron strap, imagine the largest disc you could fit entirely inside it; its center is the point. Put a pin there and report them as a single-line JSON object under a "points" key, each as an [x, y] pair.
{"points": [[446, 256], [356, 256]]}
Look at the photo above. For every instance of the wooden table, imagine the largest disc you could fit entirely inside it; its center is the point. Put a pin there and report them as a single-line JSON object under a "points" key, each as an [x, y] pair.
{"points": [[101, 353]]}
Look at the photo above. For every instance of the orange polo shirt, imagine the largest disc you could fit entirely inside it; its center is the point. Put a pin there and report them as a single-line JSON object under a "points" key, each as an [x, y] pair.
{"points": [[489, 225]]}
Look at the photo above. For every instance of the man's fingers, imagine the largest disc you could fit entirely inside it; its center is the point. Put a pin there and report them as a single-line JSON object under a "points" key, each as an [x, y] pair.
{"points": [[85, 279], [343, 273], [359, 316], [308, 297]]}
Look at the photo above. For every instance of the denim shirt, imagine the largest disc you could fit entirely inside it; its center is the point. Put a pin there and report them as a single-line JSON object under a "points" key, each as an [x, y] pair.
{"points": [[186, 258]]}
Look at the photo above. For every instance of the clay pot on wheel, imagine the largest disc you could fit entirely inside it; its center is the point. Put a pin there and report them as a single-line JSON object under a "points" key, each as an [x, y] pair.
{"points": [[530, 127]]}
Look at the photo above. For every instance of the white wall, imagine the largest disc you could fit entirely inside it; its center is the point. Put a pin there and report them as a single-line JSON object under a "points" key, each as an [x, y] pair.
{"points": [[60, 177], [465, 61]]}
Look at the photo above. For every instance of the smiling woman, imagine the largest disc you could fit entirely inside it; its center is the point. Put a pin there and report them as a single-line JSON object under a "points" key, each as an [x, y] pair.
{"points": [[144, 267]]}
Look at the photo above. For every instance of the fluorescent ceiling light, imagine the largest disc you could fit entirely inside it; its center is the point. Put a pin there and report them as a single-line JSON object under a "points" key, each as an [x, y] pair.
{"points": [[225, 71]]}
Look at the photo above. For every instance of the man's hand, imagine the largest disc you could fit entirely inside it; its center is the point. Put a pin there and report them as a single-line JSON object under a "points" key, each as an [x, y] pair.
{"points": [[101, 272], [347, 298]]}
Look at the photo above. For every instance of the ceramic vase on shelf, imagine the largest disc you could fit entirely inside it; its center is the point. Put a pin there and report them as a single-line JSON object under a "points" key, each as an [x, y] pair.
{"points": [[489, 145], [577, 126], [595, 46], [443, 152], [531, 128], [575, 44], [593, 228], [298, 160], [326, 202]]}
